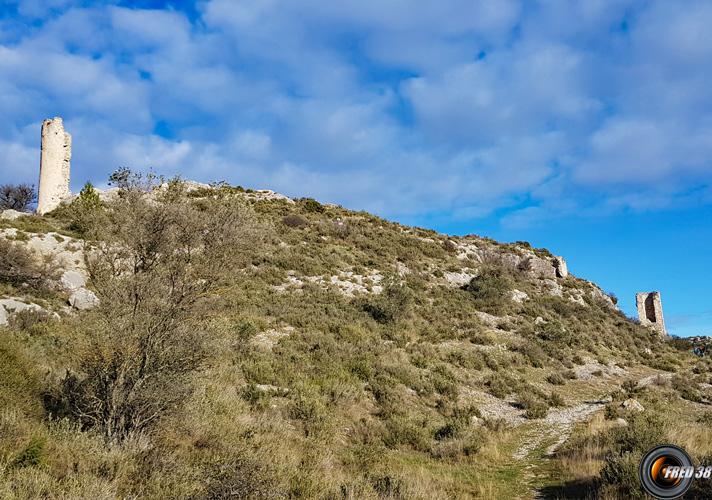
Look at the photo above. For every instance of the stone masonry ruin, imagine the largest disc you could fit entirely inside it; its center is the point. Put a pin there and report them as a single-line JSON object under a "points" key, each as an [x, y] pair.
{"points": [[650, 311], [562, 270], [54, 165]]}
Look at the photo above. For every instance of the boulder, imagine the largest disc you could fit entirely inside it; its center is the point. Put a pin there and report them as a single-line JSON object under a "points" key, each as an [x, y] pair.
{"points": [[632, 405], [12, 305], [72, 280], [83, 299], [518, 296], [541, 268]]}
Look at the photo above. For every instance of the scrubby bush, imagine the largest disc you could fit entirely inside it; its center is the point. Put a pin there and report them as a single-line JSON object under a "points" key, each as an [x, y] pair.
{"points": [[31, 455], [500, 385], [556, 379], [20, 267], [390, 305], [311, 205], [629, 443], [295, 221], [151, 266], [18, 197], [533, 408]]}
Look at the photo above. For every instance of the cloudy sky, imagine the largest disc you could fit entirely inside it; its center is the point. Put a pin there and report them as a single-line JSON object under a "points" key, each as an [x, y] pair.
{"points": [[581, 126]]}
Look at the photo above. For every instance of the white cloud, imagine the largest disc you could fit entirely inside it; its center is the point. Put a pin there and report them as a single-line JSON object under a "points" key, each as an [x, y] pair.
{"points": [[403, 108]]}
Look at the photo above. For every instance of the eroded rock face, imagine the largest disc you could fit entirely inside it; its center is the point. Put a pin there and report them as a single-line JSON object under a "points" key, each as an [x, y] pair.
{"points": [[72, 280], [9, 306], [11, 214], [54, 165], [83, 299]]}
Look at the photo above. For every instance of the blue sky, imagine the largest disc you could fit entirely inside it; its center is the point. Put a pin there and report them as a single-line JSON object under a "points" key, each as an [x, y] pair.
{"points": [[581, 126]]}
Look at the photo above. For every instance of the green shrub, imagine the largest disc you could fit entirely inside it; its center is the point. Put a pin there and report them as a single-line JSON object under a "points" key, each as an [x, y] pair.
{"points": [[500, 385], [533, 408], [390, 305], [311, 205], [32, 455], [491, 286]]}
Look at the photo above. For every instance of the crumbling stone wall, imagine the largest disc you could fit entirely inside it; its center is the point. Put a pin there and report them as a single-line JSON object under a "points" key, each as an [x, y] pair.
{"points": [[54, 165], [562, 270], [650, 311]]}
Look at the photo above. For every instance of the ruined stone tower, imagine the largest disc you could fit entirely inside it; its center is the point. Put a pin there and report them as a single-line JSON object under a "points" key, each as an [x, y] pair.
{"points": [[54, 165], [650, 311]]}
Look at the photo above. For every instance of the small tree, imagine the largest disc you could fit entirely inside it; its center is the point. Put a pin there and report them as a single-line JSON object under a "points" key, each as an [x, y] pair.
{"points": [[17, 197], [153, 261], [83, 209]]}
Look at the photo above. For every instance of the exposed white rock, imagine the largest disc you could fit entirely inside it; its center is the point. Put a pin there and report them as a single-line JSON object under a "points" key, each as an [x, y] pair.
{"points": [[518, 296], [83, 299], [266, 194], [541, 268], [347, 282], [591, 367], [13, 305], [599, 295], [11, 214], [577, 296], [632, 405], [553, 287], [458, 278], [468, 250], [66, 252], [402, 269], [269, 338], [72, 280]]}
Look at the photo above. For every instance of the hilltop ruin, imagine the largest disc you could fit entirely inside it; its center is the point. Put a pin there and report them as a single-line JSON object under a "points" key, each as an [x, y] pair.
{"points": [[54, 165], [650, 311]]}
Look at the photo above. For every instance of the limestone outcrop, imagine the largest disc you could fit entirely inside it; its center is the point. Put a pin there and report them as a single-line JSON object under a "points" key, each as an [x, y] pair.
{"points": [[54, 165]]}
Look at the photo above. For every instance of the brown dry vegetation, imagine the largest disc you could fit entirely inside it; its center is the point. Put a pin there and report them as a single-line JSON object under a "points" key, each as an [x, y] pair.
{"points": [[175, 387]]}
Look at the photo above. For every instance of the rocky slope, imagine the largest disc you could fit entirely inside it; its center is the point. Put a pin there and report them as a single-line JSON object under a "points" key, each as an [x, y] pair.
{"points": [[347, 356]]}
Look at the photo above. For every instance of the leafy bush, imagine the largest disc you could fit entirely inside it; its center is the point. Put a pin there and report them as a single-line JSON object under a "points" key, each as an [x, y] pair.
{"points": [[17, 197]]}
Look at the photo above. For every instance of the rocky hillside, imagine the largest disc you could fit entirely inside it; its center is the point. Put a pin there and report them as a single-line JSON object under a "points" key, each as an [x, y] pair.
{"points": [[191, 341]]}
